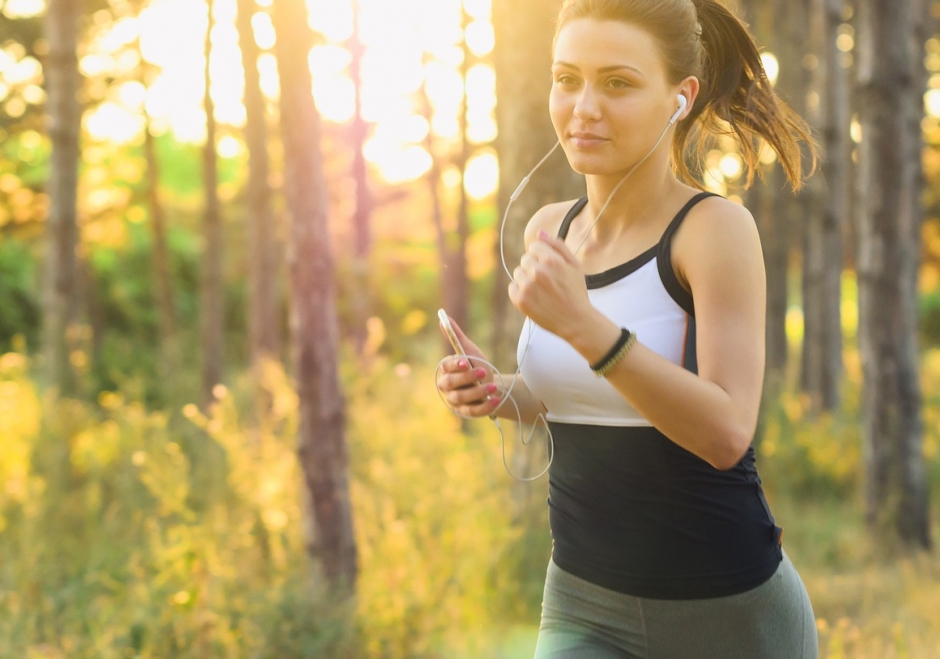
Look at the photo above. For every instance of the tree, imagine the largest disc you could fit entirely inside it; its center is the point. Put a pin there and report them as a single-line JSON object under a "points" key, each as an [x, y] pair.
{"points": [[64, 125], [890, 218], [262, 258], [522, 59], [823, 245], [212, 303], [322, 445], [359, 132]]}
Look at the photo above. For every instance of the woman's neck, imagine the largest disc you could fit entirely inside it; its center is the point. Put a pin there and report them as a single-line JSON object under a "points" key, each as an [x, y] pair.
{"points": [[634, 204]]}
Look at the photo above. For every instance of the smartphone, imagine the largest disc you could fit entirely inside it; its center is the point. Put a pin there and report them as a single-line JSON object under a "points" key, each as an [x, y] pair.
{"points": [[449, 331]]}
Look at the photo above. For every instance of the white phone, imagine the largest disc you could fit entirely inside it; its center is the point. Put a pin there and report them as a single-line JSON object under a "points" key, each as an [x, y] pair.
{"points": [[449, 331]]}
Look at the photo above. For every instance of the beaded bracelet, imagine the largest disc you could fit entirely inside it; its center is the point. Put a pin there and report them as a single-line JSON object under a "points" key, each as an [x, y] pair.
{"points": [[617, 352]]}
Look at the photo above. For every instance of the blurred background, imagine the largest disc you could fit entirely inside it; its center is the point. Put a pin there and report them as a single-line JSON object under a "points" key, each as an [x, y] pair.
{"points": [[225, 229]]}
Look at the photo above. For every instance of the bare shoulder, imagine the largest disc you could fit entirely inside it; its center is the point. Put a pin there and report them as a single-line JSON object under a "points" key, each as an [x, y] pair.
{"points": [[547, 218], [717, 232]]}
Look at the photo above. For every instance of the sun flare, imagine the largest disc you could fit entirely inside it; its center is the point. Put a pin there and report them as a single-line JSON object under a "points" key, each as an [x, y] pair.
{"points": [[410, 48]]}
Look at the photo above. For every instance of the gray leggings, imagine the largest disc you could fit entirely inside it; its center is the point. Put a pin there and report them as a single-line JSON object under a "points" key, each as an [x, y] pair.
{"points": [[581, 620]]}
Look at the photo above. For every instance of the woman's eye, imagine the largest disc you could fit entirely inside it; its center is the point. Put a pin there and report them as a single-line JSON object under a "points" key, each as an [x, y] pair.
{"points": [[618, 83], [564, 80]]}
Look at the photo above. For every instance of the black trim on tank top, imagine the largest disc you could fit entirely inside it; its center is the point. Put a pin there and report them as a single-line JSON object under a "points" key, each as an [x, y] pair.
{"points": [[664, 258], [662, 249], [601, 279], [690, 352]]}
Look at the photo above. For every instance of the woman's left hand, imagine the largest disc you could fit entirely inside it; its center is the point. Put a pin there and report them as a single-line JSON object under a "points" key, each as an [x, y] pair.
{"points": [[549, 287]]}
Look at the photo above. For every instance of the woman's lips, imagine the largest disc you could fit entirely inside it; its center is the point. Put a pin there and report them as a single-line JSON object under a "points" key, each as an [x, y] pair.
{"points": [[587, 140]]}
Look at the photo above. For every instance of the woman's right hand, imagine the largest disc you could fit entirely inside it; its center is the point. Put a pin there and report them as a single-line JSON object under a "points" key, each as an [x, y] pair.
{"points": [[467, 384]]}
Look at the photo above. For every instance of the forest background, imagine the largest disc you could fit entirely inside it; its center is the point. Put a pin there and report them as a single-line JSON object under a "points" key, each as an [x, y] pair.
{"points": [[225, 228]]}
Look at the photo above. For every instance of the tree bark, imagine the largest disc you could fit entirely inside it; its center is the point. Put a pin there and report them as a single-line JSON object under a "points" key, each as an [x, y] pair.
{"points": [[823, 241], [161, 259], [766, 200], [322, 446], [889, 255], [64, 115], [359, 132], [263, 307], [212, 303], [522, 57]]}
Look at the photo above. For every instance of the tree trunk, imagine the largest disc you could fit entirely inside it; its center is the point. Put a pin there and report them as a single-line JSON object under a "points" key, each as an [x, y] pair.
{"points": [[523, 57], [765, 200], [889, 255], [161, 260], [263, 307], [64, 125], [212, 303], [359, 132], [823, 246], [322, 445], [456, 298]]}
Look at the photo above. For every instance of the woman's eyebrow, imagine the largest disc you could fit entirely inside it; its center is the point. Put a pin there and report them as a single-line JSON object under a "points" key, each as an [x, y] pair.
{"points": [[603, 69]]}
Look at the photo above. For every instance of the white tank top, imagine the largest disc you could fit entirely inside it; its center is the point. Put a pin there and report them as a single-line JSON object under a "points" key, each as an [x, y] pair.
{"points": [[642, 295]]}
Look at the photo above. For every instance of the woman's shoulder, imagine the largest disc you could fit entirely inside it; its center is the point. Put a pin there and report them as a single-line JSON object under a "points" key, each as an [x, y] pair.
{"points": [[717, 230], [715, 221], [548, 218]]}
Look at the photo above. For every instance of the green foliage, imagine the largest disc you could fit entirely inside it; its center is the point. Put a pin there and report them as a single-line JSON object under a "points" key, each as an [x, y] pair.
{"points": [[930, 319], [18, 295]]}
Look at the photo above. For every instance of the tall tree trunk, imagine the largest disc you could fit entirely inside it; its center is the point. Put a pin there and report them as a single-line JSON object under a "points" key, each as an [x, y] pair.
{"points": [[359, 132], [64, 125], [161, 259], [889, 245], [523, 58], [456, 282], [764, 201], [263, 307], [322, 444], [212, 303], [823, 246]]}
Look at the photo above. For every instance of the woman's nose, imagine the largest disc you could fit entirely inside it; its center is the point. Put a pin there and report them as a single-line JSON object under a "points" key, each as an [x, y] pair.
{"points": [[586, 107]]}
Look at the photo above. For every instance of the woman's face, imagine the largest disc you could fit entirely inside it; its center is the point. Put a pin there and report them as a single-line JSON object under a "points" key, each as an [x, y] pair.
{"points": [[611, 98]]}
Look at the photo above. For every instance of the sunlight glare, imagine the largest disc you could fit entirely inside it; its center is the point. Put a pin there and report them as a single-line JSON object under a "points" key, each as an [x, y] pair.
{"points": [[335, 98], [132, 94], [482, 176], [230, 147], [478, 9], [932, 102], [263, 30], [123, 32], [332, 18], [396, 164], [270, 81], [771, 66], [481, 86], [480, 38], [23, 8], [110, 121]]}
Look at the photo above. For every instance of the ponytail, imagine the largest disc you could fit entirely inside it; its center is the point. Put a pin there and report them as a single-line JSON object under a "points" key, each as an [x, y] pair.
{"points": [[702, 38], [737, 99]]}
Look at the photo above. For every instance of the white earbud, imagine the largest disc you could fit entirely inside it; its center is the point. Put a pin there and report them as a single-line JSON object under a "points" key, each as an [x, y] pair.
{"points": [[683, 104]]}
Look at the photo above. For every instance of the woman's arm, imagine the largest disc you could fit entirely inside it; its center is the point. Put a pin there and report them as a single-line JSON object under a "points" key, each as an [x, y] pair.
{"points": [[717, 252]]}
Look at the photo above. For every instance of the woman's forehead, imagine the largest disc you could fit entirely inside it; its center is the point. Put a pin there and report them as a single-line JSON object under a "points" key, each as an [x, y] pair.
{"points": [[592, 45]]}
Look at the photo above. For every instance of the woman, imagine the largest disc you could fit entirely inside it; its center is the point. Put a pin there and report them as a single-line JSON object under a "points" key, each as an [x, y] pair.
{"points": [[663, 544]]}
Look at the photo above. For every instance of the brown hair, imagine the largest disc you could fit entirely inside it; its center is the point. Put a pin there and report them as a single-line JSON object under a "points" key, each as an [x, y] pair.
{"points": [[702, 38]]}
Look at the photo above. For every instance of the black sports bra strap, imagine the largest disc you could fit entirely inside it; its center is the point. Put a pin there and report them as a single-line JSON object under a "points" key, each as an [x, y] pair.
{"points": [[569, 218], [664, 257]]}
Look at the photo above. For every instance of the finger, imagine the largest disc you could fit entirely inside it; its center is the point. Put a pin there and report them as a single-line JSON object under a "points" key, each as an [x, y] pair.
{"points": [[462, 379], [558, 246]]}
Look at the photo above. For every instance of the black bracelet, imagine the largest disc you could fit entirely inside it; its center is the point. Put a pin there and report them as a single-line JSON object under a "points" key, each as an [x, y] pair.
{"points": [[614, 354]]}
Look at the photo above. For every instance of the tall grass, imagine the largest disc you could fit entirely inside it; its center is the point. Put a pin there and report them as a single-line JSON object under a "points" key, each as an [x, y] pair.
{"points": [[133, 532]]}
